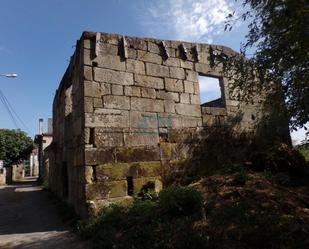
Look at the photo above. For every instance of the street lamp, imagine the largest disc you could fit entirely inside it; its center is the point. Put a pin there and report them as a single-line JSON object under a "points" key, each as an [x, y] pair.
{"points": [[9, 75]]}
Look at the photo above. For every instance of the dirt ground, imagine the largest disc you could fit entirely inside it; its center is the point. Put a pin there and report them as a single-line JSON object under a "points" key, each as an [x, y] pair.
{"points": [[28, 219]]}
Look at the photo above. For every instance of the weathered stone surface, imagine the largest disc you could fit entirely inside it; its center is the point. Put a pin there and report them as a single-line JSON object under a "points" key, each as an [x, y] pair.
{"points": [[172, 62], [173, 85], [143, 120], [153, 48], [177, 73], [97, 103], [137, 154], [157, 70], [92, 89], [120, 171], [111, 62], [168, 95], [186, 64], [170, 121], [148, 81], [114, 118], [148, 93], [133, 91], [141, 138], [147, 105], [185, 98], [203, 68], [116, 102], [149, 57], [88, 73], [99, 156], [106, 139], [117, 89], [189, 86], [195, 99], [114, 77], [169, 106], [191, 75], [188, 110], [88, 104], [135, 66], [105, 89]]}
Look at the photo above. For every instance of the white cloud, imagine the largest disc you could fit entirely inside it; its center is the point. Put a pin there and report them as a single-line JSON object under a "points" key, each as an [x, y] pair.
{"points": [[192, 20]]}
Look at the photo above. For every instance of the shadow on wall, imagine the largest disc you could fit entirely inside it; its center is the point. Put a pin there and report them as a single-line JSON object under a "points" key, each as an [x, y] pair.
{"points": [[192, 154]]}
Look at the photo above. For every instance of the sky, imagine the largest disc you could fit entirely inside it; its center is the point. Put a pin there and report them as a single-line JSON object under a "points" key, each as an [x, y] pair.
{"points": [[37, 39]]}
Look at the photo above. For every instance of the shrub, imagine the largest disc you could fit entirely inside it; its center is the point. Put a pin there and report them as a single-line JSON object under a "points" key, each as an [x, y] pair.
{"points": [[180, 201]]}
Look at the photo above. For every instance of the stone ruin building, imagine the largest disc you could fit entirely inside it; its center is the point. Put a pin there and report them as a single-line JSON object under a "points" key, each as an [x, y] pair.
{"points": [[127, 108]]}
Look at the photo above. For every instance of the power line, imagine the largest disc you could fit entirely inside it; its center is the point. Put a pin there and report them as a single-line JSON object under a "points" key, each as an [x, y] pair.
{"points": [[12, 112], [8, 110]]}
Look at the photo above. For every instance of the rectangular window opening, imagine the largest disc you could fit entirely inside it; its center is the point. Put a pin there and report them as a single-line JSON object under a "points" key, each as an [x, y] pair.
{"points": [[211, 91]]}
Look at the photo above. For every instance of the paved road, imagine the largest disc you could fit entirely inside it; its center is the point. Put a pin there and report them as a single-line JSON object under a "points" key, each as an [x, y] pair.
{"points": [[29, 220]]}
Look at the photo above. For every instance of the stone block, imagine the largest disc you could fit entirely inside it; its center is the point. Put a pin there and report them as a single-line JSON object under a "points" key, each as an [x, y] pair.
{"points": [[173, 85], [141, 138], [111, 62], [116, 102], [149, 57], [107, 139], [92, 89], [169, 106], [148, 93], [132, 53], [177, 73], [148, 81], [136, 43], [157, 70], [143, 120], [153, 47], [133, 91], [168, 95], [191, 122], [188, 110], [172, 62], [88, 104], [88, 174], [120, 171], [114, 77], [87, 73], [186, 64], [185, 98], [189, 86], [203, 68], [135, 66], [95, 156], [105, 89], [147, 105], [97, 103], [108, 118], [137, 154], [169, 121], [191, 76], [117, 89], [195, 99], [209, 120]]}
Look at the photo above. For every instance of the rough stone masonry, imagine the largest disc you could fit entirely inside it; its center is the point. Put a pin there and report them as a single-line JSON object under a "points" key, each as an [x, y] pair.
{"points": [[129, 107]]}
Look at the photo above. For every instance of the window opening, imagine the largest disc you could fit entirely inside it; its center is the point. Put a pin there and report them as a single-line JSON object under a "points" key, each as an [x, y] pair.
{"points": [[130, 185], [211, 93]]}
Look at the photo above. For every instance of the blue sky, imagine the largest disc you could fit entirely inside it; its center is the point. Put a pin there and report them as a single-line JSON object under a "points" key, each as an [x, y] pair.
{"points": [[37, 39]]}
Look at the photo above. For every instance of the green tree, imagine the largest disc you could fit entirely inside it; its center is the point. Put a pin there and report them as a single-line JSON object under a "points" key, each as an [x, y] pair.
{"points": [[14, 145], [279, 35]]}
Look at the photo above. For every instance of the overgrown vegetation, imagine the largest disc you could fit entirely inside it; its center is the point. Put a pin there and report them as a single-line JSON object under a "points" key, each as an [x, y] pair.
{"points": [[165, 222], [304, 150]]}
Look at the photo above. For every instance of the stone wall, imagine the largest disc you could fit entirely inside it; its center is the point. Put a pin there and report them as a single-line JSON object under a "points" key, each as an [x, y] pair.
{"points": [[127, 107]]}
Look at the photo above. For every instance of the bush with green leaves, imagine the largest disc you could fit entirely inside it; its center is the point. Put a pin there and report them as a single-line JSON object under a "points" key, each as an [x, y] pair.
{"points": [[163, 222]]}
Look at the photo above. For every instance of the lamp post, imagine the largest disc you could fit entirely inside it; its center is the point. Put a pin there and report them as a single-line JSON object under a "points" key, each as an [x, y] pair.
{"points": [[9, 75]]}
